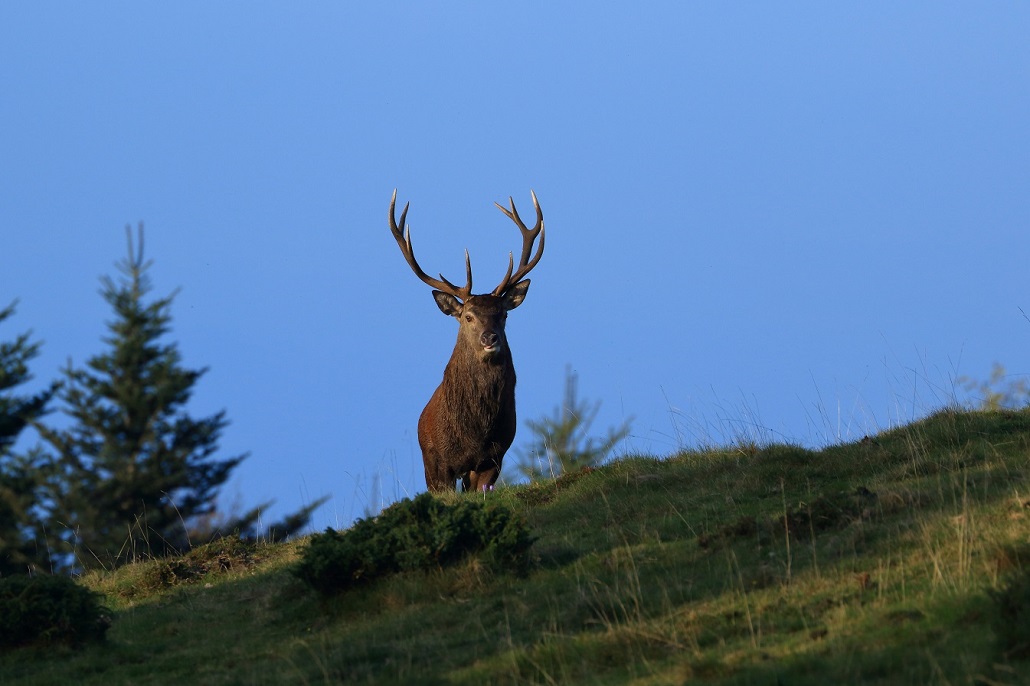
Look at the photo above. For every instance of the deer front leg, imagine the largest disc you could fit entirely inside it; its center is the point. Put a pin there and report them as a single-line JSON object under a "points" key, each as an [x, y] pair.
{"points": [[481, 480], [439, 478]]}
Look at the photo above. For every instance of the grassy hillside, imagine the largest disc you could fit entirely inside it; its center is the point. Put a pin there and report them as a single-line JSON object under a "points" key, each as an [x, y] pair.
{"points": [[871, 562]]}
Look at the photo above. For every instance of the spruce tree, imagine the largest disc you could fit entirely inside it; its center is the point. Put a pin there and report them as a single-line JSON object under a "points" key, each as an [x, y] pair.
{"points": [[134, 470], [20, 549], [562, 442]]}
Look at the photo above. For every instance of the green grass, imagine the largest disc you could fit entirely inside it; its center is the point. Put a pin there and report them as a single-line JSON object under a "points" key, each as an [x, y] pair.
{"points": [[875, 562]]}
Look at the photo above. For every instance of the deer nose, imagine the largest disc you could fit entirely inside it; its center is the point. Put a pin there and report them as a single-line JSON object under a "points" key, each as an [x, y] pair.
{"points": [[488, 339]]}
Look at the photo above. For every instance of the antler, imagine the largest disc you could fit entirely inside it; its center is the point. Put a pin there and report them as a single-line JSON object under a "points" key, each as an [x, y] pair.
{"points": [[404, 241], [528, 238]]}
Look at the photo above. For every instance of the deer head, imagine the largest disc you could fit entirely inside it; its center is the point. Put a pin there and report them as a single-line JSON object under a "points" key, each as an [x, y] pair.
{"points": [[481, 317]]}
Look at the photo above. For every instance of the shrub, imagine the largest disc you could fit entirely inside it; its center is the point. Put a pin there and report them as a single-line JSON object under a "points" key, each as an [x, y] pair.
{"points": [[1012, 615], [420, 534], [49, 609]]}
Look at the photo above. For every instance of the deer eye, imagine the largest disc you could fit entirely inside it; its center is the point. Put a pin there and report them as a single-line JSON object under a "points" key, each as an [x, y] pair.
{"points": [[468, 317]]}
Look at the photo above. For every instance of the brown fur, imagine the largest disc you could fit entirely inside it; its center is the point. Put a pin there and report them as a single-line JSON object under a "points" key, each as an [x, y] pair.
{"points": [[469, 423]]}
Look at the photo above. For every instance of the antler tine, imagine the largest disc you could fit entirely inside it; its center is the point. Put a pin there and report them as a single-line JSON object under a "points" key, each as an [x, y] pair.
{"points": [[403, 239], [462, 293], [529, 236]]}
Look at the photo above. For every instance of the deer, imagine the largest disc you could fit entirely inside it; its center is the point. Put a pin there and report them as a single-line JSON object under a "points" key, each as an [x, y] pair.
{"points": [[469, 422]]}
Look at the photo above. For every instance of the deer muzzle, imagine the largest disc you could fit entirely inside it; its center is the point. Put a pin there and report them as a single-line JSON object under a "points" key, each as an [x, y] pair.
{"points": [[490, 341]]}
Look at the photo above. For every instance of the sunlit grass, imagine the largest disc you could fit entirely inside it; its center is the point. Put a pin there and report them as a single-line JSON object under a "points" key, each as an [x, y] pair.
{"points": [[866, 562]]}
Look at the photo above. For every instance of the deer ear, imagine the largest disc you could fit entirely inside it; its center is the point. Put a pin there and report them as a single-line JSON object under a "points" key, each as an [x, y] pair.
{"points": [[447, 303], [516, 294]]}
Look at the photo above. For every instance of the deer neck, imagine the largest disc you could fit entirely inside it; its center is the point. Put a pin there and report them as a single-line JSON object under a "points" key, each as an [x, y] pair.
{"points": [[475, 381]]}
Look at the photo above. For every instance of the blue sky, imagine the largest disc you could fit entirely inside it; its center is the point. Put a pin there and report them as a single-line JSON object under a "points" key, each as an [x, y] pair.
{"points": [[788, 221]]}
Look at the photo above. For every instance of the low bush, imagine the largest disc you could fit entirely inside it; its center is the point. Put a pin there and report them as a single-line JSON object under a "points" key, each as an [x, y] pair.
{"points": [[419, 534], [44, 610], [1012, 615]]}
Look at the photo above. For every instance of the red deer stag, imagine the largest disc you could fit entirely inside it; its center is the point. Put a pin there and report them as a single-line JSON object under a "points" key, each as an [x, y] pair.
{"points": [[469, 423]]}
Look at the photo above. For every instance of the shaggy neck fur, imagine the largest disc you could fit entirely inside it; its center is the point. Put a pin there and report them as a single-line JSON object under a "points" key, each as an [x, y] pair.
{"points": [[477, 391]]}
